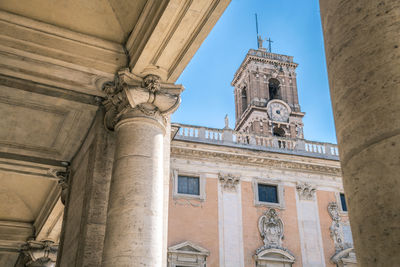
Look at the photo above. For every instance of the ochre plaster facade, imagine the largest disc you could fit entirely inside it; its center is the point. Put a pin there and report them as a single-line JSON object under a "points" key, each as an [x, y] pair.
{"points": [[200, 220]]}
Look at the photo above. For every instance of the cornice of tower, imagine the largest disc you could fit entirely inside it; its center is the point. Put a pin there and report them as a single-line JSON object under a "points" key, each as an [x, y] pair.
{"points": [[263, 57]]}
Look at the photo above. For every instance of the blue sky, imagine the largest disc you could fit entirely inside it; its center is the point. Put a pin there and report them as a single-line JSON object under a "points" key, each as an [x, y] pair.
{"points": [[295, 28]]}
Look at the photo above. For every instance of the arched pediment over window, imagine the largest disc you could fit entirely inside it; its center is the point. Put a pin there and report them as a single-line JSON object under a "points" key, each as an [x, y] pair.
{"points": [[187, 254], [274, 257]]}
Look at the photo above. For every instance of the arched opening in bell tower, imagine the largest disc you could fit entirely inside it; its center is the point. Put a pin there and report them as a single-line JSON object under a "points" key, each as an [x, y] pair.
{"points": [[274, 89], [278, 131], [244, 99]]}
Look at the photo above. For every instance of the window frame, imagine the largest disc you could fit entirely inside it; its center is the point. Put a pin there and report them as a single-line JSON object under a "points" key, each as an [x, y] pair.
{"points": [[188, 179], [202, 185], [339, 201], [279, 189]]}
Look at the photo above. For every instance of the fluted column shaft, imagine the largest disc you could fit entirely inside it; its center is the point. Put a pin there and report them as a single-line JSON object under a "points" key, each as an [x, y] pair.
{"points": [[362, 43]]}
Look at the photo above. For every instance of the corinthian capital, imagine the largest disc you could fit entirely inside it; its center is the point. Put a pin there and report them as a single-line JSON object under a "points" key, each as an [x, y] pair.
{"points": [[40, 253], [130, 93]]}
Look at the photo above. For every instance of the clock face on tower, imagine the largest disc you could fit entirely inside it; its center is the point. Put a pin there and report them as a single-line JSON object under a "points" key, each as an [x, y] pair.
{"points": [[277, 111]]}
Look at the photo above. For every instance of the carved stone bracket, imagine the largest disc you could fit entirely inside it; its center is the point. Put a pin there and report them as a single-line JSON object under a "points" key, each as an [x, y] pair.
{"points": [[306, 191], [229, 181], [129, 93], [63, 181], [40, 253]]}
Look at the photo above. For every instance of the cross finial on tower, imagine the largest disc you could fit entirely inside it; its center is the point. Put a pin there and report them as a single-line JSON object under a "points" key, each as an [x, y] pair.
{"points": [[269, 44]]}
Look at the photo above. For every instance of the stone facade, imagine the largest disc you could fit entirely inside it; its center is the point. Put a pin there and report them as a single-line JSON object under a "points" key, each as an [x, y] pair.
{"points": [[263, 196], [231, 222]]}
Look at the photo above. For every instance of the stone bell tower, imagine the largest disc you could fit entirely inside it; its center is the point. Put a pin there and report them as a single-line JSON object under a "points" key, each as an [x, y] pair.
{"points": [[266, 99]]}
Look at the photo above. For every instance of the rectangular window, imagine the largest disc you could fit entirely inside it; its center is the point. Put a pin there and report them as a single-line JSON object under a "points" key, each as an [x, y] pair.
{"points": [[188, 185], [267, 193], [343, 202]]}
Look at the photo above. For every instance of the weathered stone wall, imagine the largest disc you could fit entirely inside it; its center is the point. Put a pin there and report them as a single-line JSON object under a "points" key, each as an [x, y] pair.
{"points": [[86, 208]]}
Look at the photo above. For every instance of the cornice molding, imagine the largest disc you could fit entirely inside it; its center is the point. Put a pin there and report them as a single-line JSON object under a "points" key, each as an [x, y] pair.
{"points": [[253, 160], [249, 58]]}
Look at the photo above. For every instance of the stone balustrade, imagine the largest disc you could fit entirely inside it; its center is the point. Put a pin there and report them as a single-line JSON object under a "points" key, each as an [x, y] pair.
{"points": [[229, 137]]}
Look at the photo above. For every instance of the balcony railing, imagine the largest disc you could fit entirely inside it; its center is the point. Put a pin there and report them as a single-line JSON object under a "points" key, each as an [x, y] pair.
{"points": [[270, 143]]}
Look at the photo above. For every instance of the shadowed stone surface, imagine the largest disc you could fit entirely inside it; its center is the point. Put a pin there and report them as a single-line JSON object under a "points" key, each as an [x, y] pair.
{"points": [[362, 40], [86, 212]]}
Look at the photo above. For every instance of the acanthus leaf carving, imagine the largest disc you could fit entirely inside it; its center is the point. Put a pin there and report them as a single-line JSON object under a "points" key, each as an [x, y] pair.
{"points": [[148, 96], [40, 253], [229, 181], [306, 191]]}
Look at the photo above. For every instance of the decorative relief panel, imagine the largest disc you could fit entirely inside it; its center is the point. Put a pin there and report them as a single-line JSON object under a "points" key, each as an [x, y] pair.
{"points": [[306, 191], [341, 235], [229, 181], [271, 229], [272, 253], [336, 226]]}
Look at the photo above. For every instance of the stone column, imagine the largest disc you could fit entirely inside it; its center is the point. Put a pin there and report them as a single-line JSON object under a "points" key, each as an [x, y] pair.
{"points": [[134, 230], [362, 43]]}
